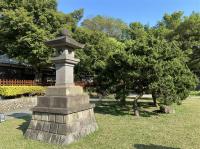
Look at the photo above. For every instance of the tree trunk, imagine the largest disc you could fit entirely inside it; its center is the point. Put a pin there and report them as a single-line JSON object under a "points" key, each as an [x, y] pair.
{"points": [[123, 97], [135, 106], [154, 97], [123, 101]]}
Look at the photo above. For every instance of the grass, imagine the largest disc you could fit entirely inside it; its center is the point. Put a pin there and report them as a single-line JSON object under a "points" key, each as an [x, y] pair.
{"points": [[118, 129]]}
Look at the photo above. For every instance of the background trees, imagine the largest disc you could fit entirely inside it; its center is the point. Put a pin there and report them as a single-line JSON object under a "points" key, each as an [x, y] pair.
{"points": [[25, 25], [188, 36], [111, 26], [118, 58], [98, 48]]}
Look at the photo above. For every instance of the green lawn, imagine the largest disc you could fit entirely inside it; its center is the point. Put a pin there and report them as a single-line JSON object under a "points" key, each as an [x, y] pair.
{"points": [[118, 129]]}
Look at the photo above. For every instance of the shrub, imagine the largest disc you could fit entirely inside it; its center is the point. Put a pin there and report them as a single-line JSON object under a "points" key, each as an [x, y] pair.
{"points": [[8, 91], [195, 93]]}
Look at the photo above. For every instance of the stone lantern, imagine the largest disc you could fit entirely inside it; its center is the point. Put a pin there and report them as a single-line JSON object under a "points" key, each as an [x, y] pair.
{"points": [[64, 114]]}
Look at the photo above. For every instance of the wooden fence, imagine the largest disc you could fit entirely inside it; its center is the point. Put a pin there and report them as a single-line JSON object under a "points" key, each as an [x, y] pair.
{"points": [[17, 82], [7, 82]]}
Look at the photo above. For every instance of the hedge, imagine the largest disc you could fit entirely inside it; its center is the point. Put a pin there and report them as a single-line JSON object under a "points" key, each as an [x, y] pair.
{"points": [[7, 91], [195, 93]]}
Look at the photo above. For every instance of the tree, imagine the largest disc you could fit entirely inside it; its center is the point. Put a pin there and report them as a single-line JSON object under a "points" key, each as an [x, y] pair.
{"points": [[165, 28], [171, 21], [73, 18], [173, 79], [184, 30], [111, 26], [149, 65], [93, 58], [187, 34], [25, 26], [137, 30]]}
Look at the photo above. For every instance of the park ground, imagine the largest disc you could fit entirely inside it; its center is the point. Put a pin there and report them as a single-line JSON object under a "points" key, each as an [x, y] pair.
{"points": [[119, 129]]}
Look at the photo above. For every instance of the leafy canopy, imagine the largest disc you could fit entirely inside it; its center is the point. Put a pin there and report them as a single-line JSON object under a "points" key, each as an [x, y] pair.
{"points": [[111, 26], [25, 25]]}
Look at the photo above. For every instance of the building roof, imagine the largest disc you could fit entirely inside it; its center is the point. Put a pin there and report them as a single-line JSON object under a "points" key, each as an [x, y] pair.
{"points": [[5, 60]]}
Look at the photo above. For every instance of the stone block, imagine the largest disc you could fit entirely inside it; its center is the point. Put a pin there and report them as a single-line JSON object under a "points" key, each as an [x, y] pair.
{"points": [[27, 134], [33, 134], [53, 128], [55, 139], [80, 115], [73, 127], [71, 117], [43, 101], [62, 129], [33, 124], [63, 139], [37, 116], [46, 126], [52, 117], [66, 139], [40, 135], [69, 102], [59, 118], [45, 117], [64, 111], [39, 125], [74, 117], [47, 137], [64, 90]]}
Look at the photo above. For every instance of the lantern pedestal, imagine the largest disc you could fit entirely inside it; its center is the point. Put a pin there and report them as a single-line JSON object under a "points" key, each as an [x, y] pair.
{"points": [[62, 119], [64, 114]]}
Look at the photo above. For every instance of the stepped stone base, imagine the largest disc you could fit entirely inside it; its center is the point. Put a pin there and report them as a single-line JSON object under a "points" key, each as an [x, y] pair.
{"points": [[63, 116], [61, 128]]}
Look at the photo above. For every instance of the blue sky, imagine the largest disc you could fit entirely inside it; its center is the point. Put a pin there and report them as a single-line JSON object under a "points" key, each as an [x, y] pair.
{"points": [[145, 11]]}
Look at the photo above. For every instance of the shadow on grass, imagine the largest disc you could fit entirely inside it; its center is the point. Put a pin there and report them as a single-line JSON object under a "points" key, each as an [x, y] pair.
{"points": [[152, 146], [111, 107], [23, 126], [114, 108]]}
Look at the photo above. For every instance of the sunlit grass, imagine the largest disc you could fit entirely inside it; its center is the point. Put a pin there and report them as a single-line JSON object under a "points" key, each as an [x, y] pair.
{"points": [[118, 129]]}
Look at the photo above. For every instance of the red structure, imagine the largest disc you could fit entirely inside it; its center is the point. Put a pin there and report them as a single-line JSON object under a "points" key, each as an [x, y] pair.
{"points": [[6, 82]]}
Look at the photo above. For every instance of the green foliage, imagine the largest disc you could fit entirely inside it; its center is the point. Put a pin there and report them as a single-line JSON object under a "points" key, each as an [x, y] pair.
{"points": [[173, 80], [7, 91], [137, 30], [25, 25], [113, 27], [93, 57], [117, 58], [148, 61], [146, 65], [187, 34], [172, 21], [73, 18], [184, 30]]}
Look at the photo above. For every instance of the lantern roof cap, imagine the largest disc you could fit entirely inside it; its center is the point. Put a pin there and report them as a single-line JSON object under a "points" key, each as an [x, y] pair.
{"points": [[64, 41]]}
